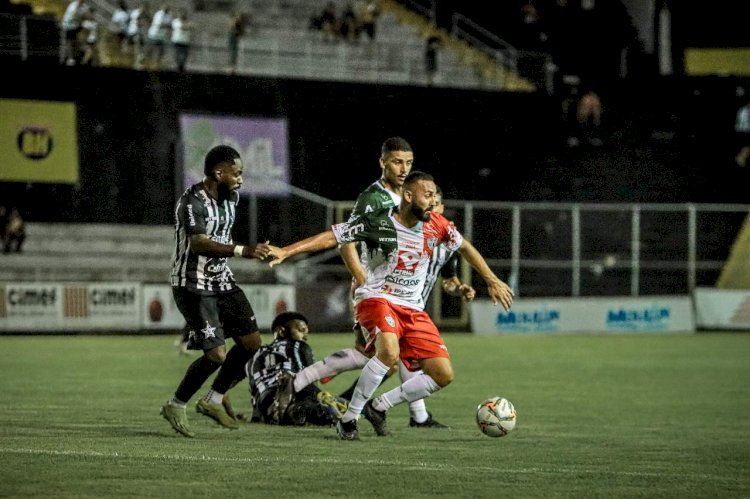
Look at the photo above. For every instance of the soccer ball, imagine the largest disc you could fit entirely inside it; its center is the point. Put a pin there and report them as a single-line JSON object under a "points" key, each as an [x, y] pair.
{"points": [[496, 417]]}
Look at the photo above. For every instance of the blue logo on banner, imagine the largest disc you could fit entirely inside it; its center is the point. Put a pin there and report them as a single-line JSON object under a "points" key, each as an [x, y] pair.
{"points": [[544, 320], [655, 318]]}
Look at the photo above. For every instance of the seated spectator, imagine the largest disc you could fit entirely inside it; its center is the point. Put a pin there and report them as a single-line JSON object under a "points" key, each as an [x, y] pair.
{"points": [[13, 230], [589, 115], [742, 131], [271, 369]]}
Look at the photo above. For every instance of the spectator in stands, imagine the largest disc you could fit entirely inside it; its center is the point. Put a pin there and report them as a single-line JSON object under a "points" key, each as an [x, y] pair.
{"points": [[742, 131], [181, 29], [12, 229], [137, 32], [589, 116], [329, 24], [368, 15], [430, 58], [159, 34], [118, 25], [72, 24], [90, 35], [349, 26], [237, 28]]}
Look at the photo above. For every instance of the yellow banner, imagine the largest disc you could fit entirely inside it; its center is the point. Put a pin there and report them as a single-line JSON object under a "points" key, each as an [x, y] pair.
{"points": [[718, 61], [38, 141]]}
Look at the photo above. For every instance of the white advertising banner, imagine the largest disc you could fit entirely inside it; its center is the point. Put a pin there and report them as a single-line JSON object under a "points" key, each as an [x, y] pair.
{"points": [[51, 307], [30, 305], [589, 315], [160, 310], [69, 306], [722, 308]]}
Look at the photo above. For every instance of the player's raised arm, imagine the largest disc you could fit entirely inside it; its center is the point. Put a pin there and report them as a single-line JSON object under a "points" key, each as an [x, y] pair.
{"points": [[499, 291], [312, 244], [201, 244]]}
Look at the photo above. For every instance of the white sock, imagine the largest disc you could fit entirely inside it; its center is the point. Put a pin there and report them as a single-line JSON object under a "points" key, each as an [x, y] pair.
{"points": [[177, 403], [344, 360], [213, 396], [369, 380], [418, 387], [417, 408]]}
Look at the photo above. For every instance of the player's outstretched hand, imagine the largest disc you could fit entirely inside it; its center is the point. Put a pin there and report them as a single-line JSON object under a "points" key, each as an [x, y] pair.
{"points": [[276, 256], [500, 293], [259, 251], [467, 292]]}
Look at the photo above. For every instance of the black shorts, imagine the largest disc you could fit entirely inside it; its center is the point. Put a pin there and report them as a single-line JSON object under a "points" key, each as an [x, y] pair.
{"points": [[213, 318]]}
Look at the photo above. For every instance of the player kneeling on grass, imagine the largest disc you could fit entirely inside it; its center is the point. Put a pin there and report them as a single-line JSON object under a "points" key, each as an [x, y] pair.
{"points": [[275, 364]]}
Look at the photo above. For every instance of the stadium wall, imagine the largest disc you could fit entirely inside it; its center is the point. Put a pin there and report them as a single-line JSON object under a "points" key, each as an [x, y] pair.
{"points": [[129, 141]]}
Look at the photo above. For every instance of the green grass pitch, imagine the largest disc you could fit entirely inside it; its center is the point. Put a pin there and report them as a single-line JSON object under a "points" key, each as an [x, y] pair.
{"points": [[598, 416]]}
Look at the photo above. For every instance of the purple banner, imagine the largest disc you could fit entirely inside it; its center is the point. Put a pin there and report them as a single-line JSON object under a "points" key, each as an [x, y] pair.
{"points": [[262, 143]]}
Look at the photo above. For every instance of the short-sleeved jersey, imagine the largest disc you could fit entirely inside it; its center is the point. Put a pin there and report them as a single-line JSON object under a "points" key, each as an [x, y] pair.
{"points": [[399, 256], [273, 359], [198, 213], [374, 198]]}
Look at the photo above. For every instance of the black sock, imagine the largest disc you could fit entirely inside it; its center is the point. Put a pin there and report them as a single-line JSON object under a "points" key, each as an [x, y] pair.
{"points": [[197, 374], [347, 395], [233, 369]]}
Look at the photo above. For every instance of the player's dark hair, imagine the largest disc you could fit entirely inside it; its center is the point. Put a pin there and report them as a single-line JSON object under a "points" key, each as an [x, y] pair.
{"points": [[285, 317], [219, 154], [394, 144], [415, 176], [439, 191]]}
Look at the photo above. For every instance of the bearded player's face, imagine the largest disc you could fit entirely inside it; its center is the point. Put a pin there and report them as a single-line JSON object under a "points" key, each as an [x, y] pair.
{"points": [[423, 198], [230, 177]]}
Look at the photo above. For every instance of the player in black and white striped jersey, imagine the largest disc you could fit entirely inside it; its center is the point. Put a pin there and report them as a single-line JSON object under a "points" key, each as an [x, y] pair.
{"points": [[444, 263], [204, 289]]}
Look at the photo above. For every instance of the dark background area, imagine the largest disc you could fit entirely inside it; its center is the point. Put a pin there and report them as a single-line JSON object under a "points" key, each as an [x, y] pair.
{"points": [[666, 140]]}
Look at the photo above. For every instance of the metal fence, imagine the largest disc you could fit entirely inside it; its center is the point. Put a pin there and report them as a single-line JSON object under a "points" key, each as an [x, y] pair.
{"points": [[573, 249]]}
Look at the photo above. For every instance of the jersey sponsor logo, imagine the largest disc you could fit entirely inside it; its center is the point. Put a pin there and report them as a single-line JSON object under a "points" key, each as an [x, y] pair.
{"points": [[353, 230], [216, 267], [408, 260], [191, 216], [401, 281]]}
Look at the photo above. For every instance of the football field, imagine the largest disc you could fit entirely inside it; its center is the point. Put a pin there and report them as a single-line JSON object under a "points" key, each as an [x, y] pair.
{"points": [[598, 416]]}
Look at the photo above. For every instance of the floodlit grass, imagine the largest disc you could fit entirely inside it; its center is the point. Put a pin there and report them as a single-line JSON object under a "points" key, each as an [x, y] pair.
{"points": [[598, 416]]}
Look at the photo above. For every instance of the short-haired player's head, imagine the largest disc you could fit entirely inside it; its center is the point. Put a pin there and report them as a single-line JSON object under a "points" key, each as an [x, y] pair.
{"points": [[290, 325], [396, 160], [393, 144], [217, 156]]}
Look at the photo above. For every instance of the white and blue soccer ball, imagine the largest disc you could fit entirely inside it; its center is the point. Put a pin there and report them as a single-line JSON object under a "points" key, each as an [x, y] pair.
{"points": [[496, 417]]}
